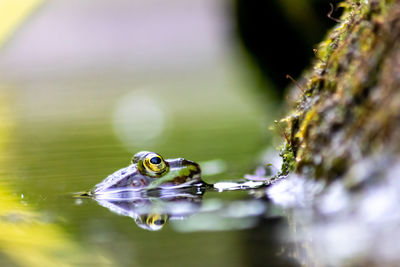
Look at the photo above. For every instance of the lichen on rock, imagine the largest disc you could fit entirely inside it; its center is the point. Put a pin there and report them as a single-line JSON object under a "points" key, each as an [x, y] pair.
{"points": [[349, 106]]}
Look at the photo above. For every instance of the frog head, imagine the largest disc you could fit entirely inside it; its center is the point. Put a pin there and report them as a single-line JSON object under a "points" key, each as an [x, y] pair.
{"points": [[149, 170]]}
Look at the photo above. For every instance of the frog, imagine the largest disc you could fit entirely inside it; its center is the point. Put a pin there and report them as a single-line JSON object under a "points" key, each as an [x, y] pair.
{"points": [[151, 188], [149, 170]]}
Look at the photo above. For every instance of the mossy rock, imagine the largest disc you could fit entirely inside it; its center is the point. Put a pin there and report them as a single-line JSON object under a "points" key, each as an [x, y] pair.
{"points": [[347, 108]]}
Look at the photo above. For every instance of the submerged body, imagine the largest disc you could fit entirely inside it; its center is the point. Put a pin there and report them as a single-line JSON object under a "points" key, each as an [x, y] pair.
{"points": [[149, 170]]}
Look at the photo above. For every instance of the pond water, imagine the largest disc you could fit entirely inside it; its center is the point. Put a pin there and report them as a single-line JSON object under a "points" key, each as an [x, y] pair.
{"points": [[55, 142], [45, 162]]}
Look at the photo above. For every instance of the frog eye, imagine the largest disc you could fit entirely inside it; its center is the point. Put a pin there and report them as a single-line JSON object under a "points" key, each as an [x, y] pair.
{"points": [[154, 163], [156, 221]]}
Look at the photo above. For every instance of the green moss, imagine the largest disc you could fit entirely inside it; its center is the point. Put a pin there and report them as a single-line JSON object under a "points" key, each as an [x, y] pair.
{"points": [[288, 160], [348, 90]]}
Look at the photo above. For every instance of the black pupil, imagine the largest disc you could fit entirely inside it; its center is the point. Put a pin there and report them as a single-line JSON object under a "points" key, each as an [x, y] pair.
{"points": [[159, 222], [155, 160]]}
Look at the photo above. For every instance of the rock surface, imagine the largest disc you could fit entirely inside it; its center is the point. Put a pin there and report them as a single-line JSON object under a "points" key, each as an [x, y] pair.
{"points": [[348, 104]]}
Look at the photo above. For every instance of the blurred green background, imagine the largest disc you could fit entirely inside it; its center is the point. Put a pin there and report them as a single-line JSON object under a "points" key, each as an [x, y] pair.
{"points": [[86, 84]]}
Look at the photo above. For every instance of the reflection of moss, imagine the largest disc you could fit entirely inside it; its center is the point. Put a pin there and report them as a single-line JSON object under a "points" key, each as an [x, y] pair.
{"points": [[350, 108]]}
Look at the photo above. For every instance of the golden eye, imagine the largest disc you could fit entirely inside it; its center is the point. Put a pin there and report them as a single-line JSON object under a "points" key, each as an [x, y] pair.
{"points": [[152, 221], [156, 221], [154, 163]]}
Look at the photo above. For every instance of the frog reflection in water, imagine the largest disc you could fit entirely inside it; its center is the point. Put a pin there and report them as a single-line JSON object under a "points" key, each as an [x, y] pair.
{"points": [[152, 213], [151, 188]]}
